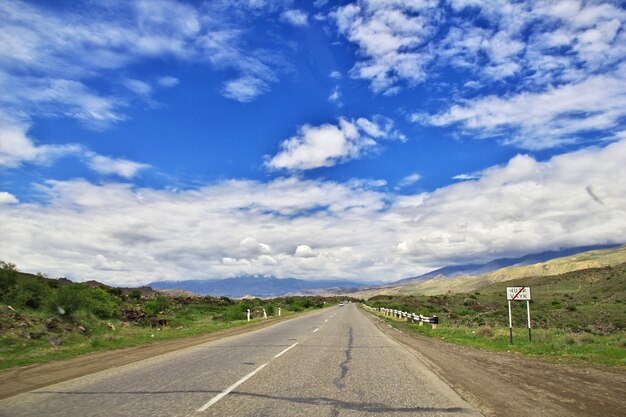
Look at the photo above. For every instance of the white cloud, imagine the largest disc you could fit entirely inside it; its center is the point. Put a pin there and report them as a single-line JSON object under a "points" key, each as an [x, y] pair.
{"points": [[390, 37], [335, 97], [168, 81], [16, 148], [249, 246], [409, 180], [241, 227], [113, 166], [466, 177], [542, 120], [304, 251], [138, 87], [245, 89], [335, 75], [7, 198], [328, 145], [535, 55], [295, 17]]}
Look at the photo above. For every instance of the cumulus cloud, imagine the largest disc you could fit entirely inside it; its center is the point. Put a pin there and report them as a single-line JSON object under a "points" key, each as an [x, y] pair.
{"points": [[295, 17], [328, 145], [390, 37], [7, 198], [304, 251], [241, 227]]}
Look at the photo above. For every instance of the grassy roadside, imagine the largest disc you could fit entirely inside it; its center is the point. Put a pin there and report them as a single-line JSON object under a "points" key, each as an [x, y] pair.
{"points": [[43, 319], [553, 343], [17, 350], [579, 315]]}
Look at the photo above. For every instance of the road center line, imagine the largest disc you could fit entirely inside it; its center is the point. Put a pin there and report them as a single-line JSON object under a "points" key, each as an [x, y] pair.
{"points": [[229, 389], [316, 330], [278, 354], [326, 321]]}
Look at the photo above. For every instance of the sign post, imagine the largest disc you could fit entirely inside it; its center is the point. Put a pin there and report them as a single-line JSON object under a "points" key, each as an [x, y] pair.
{"points": [[518, 294]]}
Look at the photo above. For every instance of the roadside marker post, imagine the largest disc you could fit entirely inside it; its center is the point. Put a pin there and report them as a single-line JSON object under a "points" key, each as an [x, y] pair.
{"points": [[518, 294], [248, 314]]}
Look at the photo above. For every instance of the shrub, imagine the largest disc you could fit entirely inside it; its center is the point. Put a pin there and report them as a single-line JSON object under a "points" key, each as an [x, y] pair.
{"points": [[159, 303], [134, 295], [101, 303], [66, 300], [8, 276], [30, 293], [485, 331]]}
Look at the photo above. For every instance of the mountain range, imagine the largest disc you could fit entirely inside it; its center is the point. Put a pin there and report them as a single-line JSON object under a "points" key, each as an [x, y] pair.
{"points": [[431, 281], [255, 286]]}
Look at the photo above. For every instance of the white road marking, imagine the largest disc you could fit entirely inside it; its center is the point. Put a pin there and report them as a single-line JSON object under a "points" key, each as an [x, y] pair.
{"points": [[277, 355], [326, 321], [316, 330], [229, 389]]}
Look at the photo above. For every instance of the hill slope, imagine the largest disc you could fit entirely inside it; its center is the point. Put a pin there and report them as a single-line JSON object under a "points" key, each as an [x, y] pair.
{"points": [[441, 285]]}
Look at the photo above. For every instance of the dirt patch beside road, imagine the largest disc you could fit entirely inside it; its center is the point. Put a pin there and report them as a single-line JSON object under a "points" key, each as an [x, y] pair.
{"points": [[512, 385], [27, 378]]}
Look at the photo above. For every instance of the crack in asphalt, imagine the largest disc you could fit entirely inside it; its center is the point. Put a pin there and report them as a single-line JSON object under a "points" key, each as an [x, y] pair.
{"points": [[345, 365]]}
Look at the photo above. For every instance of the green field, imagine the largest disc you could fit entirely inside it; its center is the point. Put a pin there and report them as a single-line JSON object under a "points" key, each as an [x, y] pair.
{"points": [[45, 319], [577, 315]]}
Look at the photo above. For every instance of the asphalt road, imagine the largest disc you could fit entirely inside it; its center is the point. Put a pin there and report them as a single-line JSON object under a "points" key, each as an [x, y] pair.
{"points": [[334, 362]]}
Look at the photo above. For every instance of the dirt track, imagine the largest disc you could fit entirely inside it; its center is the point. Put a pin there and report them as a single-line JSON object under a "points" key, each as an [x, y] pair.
{"points": [[512, 385]]}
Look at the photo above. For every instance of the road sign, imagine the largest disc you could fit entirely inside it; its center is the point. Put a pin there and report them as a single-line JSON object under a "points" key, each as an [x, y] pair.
{"points": [[518, 293]]}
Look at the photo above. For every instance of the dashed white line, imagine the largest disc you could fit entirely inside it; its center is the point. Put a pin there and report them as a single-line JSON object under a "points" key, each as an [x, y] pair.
{"points": [[326, 321], [229, 389], [278, 354], [316, 330]]}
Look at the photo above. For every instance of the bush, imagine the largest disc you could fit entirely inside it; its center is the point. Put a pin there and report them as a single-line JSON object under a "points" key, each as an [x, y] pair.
{"points": [[159, 303], [66, 300], [8, 276], [30, 293], [134, 295], [101, 303], [485, 331]]}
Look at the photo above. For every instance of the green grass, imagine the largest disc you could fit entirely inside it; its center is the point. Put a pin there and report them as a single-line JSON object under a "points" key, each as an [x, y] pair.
{"points": [[15, 350], [579, 315], [553, 343]]}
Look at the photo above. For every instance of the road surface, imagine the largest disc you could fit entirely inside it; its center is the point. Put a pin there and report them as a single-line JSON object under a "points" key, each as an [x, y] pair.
{"points": [[334, 362]]}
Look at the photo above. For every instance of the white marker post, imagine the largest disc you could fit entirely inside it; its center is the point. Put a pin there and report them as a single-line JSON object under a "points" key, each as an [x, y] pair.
{"points": [[248, 314], [519, 294], [264, 314], [279, 311]]}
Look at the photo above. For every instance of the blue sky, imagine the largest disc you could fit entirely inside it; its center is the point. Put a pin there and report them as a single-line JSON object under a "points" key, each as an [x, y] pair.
{"points": [[369, 140]]}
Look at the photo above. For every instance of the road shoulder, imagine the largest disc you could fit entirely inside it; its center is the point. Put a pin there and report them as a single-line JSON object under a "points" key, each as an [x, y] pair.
{"points": [[15, 381], [508, 384]]}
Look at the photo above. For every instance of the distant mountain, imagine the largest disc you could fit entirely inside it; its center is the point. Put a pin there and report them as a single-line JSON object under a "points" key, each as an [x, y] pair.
{"points": [[256, 286], [480, 269], [440, 284]]}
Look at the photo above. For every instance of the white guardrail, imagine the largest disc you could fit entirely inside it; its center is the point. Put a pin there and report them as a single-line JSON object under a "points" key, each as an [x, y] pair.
{"points": [[403, 315]]}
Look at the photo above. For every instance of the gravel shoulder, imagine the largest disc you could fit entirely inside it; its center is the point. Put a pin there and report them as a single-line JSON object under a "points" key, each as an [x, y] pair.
{"points": [[508, 384], [27, 378]]}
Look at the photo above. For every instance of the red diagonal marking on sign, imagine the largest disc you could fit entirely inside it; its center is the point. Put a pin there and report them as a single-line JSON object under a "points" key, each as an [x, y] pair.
{"points": [[518, 293]]}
